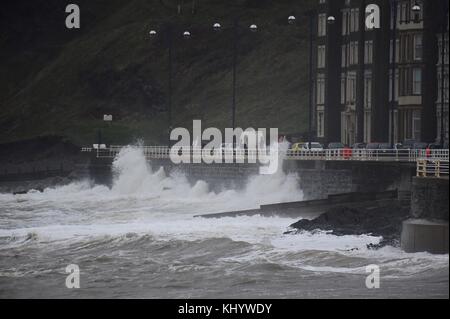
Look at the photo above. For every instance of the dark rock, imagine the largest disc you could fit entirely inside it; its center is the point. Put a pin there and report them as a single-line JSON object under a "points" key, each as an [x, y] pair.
{"points": [[20, 193], [377, 220]]}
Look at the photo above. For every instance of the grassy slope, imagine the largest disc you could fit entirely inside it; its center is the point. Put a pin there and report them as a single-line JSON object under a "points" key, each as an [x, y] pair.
{"points": [[111, 67]]}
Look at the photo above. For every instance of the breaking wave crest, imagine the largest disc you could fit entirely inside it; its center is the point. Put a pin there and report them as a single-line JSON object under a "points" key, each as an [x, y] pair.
{"points": [[135, 176]]}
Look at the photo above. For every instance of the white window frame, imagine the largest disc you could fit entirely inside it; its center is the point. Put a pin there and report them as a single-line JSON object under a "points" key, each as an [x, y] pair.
{"points": [[417, 82], [418, 47]]}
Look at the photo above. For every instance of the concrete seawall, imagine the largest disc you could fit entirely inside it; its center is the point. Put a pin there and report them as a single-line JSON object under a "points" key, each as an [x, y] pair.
{"points": [[427, 230], [430, 198], [312, 208], [317, 179]]}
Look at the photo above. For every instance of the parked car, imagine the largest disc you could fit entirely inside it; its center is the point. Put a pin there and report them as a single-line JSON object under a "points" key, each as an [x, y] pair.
{"points": [[297, 147], [314, 147], [435, 146], [402, 150], [359, 149], [359, 146], [386, 146], [420, 146], [372, 149], [373, 146], [335, 149], [408, 144], [411, 148], [335, 146], [386, 150]]}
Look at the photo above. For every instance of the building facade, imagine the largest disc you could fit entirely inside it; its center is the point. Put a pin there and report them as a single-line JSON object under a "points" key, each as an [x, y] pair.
{"points": [[361, 93], [442, 105]]}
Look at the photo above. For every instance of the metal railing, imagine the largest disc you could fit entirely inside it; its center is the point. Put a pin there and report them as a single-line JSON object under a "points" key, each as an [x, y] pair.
{"points": [[364, 155], [427, 167], [195, 154], [367, 155]]}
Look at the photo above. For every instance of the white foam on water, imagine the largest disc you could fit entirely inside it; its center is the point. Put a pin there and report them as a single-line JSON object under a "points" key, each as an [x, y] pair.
{"points": [[145, 201], [134, 176]]}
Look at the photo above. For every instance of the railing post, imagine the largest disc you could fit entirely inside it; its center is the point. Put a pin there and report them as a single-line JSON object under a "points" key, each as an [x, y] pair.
{"points": [[419, 168], [438, 169]]}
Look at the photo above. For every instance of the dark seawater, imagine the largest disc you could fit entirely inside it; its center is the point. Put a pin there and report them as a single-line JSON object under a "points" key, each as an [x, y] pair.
{"points": [[140, 240]]}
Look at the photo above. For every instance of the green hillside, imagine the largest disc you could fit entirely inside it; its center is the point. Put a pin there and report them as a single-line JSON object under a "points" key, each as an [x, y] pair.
{"points": [[60, 82]]}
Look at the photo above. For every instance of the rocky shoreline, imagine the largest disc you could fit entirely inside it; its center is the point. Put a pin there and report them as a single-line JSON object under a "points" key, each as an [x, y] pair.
{"points": [[376, 220]]}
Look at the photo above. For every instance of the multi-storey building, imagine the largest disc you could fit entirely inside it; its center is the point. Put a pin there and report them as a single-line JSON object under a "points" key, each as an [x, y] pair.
{"points": [[354, 71]]}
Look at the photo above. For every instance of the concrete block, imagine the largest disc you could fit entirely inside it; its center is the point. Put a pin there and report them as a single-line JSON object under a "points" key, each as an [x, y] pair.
{"points": [[420, 235]]}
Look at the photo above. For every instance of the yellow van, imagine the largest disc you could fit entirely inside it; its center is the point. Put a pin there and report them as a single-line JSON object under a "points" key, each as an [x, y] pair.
{"points": [[297, 147]]}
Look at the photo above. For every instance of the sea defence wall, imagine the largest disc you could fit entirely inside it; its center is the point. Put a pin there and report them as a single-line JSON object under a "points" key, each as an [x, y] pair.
{"points": [[317, 179], [218, 176], [427, 230], [430, 198], [311, 209]]}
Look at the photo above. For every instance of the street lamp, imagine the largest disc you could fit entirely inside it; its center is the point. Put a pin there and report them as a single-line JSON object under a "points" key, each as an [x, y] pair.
{"points": [[393, 4], [416, 10], [107, 118], [253, 28], [169, 35], [218, 27], [292, 21], [186, 35], [443, 49], [331, 20]]}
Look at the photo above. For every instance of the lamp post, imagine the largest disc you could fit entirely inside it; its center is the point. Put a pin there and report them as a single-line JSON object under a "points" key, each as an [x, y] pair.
{"points": [[444, 27], [169, 37], [393, 4], [330, 22], [416, 9], [107, 118], [253, 28], [292, 20]]}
